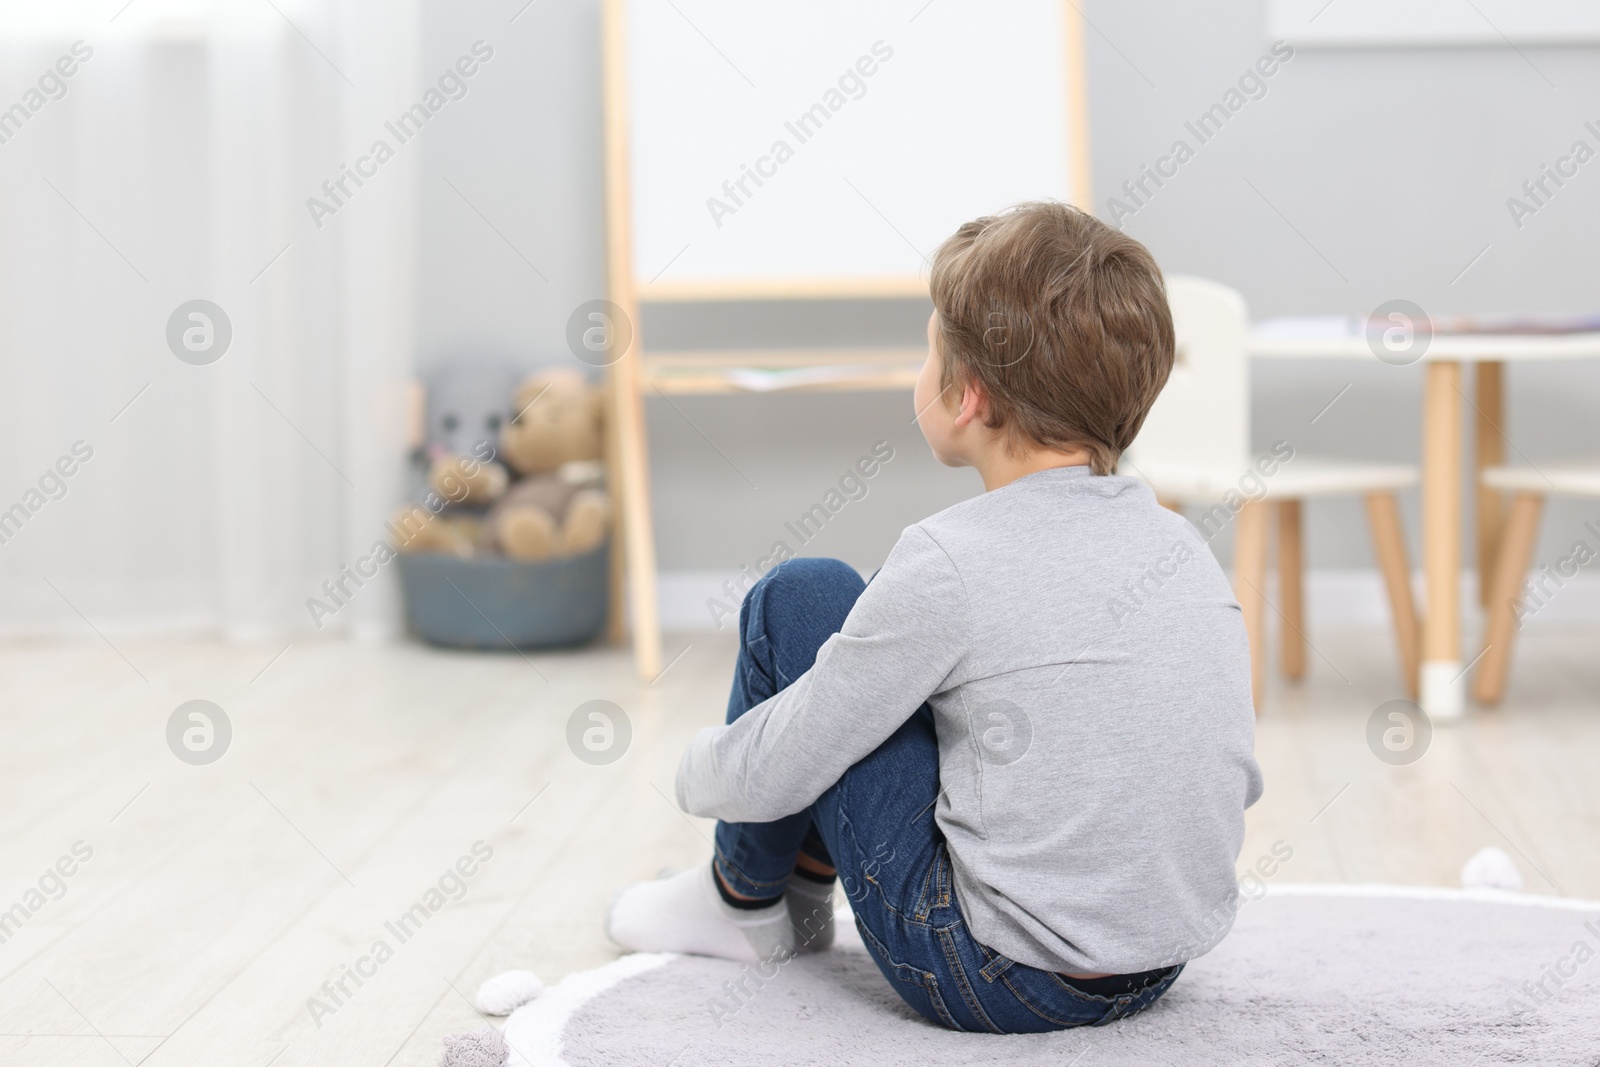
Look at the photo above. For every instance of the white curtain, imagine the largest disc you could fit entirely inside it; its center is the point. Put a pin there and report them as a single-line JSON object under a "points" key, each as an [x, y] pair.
{"points": [[176, 165]]}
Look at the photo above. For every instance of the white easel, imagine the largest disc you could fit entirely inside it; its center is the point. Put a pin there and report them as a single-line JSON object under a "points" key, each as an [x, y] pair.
{"points": [[945, 67]]}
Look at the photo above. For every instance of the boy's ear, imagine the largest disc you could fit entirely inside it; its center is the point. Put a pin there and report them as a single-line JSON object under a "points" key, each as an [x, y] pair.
{"points": [[974, 404]]}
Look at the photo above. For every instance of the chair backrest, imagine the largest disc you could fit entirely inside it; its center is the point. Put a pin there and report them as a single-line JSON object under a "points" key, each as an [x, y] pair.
{"points": [[1202, 417]]}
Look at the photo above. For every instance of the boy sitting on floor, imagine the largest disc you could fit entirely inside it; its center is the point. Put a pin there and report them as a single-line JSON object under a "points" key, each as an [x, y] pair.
{"points": [[1028, 762]]}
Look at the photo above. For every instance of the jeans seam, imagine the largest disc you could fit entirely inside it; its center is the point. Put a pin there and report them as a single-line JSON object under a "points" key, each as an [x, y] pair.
{"points": [[939, 1005], [1075, 991], [924, 895], [746, 880], [847, 828], [935, 884], [928, 981], [952, 959], [723, 860], [1119, 1007], [900, 916], [1040, 1012], [757, 651]]}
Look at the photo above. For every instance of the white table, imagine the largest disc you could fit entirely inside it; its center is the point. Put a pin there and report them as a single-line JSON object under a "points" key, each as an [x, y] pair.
{"points": [[1443, 681]]}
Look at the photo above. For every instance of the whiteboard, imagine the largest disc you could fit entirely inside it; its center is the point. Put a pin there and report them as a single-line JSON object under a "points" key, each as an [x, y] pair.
{"points": [[783, 145], [1366, 23]]}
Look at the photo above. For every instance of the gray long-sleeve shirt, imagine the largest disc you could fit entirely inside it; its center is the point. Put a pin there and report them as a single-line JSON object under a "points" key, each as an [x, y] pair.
{"points": [[1089, 676]]}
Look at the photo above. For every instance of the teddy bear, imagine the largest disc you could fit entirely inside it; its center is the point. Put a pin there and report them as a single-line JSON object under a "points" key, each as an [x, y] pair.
{"points": [[457, 414], [553, 441], [510, 471]]}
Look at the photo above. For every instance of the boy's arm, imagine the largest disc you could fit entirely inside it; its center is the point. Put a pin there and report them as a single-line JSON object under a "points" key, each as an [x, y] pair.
{"points": [[898, 646]]}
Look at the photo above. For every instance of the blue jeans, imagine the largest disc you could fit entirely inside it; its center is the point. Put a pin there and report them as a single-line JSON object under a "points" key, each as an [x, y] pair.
{"points": [[876, 826]]}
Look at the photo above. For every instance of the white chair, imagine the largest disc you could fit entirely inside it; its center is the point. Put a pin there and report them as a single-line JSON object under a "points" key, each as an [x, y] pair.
{"points": [[1194, 448], [1505, 582]]}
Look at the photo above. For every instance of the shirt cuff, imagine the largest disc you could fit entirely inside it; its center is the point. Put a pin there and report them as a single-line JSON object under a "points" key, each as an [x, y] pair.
{"points": [[696, 784]]}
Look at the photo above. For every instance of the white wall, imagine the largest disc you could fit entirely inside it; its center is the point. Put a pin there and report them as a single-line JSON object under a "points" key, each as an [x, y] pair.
{"points": [[1394, 165], [1381, 174], [511, 203]]}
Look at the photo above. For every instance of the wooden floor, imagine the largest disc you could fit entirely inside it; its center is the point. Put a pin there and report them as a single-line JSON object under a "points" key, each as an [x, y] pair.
{"points": [[220, 898]]}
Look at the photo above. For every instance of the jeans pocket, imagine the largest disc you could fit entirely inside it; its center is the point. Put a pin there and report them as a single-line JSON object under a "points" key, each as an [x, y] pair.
{"points": [[1134, 1003], [1056, 1002], [1092, 1008], [935, 891], [909, 981]]}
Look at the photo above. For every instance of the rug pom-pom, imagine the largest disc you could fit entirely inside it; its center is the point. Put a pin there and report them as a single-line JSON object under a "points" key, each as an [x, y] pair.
{"points": [[505, 993], [1491, 868], [476, 1048]]}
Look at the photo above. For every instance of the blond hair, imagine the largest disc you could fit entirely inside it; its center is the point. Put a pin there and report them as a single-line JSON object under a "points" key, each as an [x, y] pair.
{"points": [[1063, 322]]}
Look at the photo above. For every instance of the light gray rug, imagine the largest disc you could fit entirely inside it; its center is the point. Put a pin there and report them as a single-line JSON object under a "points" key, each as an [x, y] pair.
{"points": [[1335, 975]]}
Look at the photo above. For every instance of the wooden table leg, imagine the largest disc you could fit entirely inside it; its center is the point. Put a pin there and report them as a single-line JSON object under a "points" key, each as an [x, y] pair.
{"points": [[1443, 690], [1389, 545], [1291, 589], [1490, 447], [1521, 533], [1249, 586]]}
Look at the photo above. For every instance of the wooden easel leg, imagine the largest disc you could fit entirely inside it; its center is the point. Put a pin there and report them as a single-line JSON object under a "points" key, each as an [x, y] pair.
{"points": [[638, 550], [617, 613], [1291, 589], [1521, 531], [1491, 450], [1389, 544], [1250, 575], [634, 563], [1441, 690]]}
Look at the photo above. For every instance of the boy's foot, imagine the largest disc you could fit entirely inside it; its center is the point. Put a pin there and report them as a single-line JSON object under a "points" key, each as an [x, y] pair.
{"points": [[684, 913], [810, 912]]}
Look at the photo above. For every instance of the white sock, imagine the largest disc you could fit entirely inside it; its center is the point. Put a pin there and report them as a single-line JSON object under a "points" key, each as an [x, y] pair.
{"points": [[684, 913], [810, 913]]}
